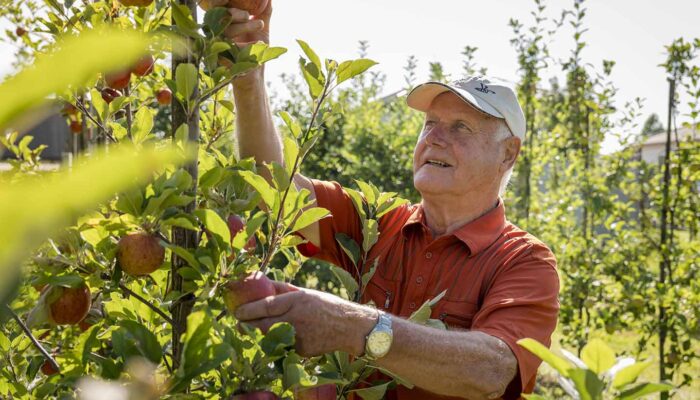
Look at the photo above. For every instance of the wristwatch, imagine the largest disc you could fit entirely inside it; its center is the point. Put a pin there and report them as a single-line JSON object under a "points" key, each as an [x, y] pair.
{"points": [[378, 342]]}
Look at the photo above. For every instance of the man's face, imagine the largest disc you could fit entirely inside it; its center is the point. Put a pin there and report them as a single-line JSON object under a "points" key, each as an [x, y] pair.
{"points": [[459, 151]]}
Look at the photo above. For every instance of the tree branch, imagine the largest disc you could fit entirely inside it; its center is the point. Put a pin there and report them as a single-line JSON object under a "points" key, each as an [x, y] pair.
{"points": [[31, 337]]}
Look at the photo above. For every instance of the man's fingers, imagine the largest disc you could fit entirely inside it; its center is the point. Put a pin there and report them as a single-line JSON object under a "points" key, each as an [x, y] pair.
{"points": [[283, 287], [265, 324], [271, 306], [239, 15], [250, 26]]}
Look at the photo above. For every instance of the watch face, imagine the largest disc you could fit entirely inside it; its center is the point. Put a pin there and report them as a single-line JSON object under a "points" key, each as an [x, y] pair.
{"points": [[379, 343]]}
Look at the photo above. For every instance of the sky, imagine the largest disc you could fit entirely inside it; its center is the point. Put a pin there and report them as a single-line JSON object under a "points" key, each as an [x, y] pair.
{"points": [[631, 32]]}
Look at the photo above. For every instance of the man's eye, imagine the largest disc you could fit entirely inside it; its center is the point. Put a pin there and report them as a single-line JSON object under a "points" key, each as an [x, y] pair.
{"points": [[463, 127]]}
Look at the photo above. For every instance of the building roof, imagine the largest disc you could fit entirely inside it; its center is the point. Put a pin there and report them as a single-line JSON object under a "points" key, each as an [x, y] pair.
{"points": [[684, 133]]}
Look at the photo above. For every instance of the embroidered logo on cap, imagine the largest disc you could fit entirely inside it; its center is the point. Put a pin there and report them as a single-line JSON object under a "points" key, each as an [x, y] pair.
{"points": [[484, 89]]}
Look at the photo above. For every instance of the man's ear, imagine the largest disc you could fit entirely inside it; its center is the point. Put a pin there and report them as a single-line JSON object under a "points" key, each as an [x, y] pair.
{"points": [[511, 147]]}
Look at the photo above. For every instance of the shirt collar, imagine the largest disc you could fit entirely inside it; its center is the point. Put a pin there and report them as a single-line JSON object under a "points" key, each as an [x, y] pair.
{"points": [[477, 234]]}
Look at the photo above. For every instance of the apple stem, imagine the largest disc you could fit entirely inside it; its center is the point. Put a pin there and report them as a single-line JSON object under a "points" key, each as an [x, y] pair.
{"points": [[31, 337], [146, 302]]}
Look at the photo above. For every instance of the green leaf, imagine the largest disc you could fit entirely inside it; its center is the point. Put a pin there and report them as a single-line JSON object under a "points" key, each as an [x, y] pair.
{"points": [[280, 176], [350, 69], [4, 342], [291, 151], [214, 224], [372, 393], [598, 356], [346, 280], [278, 340], [369, 274], [422, 314], [308, 217], [259, 183], [312, 56], [211, 177], [184, 21], [217, 20], [186, 80], [134, 339], [561, 365], [349, 246], [294, 373], [370, 234], [312, 77], [100, 105], [291, 123], [184, 254], [587, 383], [368, 190], [629, 374], [533, 397], [142, 125], [644, 389], [401, 381]]}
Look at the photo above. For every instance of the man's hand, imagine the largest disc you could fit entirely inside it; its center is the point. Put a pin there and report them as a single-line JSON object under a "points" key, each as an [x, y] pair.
{"points": [[245, 28], [323, 322]]}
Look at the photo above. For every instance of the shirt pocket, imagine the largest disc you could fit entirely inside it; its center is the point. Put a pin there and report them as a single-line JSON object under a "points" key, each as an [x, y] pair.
{"points": [[456, 314], [381, 292]]}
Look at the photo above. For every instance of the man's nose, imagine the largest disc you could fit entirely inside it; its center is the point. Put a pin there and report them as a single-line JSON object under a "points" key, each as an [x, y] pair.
{"points": [[435, 136]]}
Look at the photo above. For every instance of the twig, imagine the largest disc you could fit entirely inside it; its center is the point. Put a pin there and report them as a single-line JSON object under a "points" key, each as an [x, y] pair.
{"points": [[104, 130], [146, 302], [31, 337]]}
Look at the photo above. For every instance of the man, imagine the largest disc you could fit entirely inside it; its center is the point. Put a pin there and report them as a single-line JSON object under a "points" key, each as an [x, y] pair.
{"points": [[501, 283]]}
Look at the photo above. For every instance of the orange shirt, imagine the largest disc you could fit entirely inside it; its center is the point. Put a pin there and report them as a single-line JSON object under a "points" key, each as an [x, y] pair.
{"points": [[500, 280]]}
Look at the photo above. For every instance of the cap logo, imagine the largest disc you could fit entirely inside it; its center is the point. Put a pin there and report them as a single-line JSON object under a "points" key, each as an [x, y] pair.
{"points": [[485, 89]]}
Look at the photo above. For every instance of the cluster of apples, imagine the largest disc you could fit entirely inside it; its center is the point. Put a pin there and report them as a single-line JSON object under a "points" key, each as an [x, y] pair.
{"points": [[119, 80]]}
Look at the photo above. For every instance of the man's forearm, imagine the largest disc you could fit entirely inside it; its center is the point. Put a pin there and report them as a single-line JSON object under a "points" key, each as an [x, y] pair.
{"points": [[466, 364], [255, 130]]}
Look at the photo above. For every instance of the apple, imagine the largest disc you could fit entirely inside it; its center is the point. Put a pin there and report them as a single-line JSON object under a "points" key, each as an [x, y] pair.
{"points": [[67, 306], [254, 7], [323, 392], [109, 94], [69, 109], [136, 3], [144, 66], [118, 80], [164, 97], [48, 369], [253, 287], [256, 396], [20, 31], [76, 126], [140, 253], [235, 225]]}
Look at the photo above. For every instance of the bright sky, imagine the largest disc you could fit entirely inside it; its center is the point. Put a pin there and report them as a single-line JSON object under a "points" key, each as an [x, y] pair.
{"points": [[631, 32]]}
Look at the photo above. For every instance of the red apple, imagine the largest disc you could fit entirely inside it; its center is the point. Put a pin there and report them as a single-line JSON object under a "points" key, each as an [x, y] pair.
{"points": [[254, 7], [20, 31], [144, 66], [68, 306], [69, 109], [140, 254], [164, 97], [256, 396], [136, 3], [48, 369], [109, 94], [253, 287], [235, 225], [323, 392], [118, 80], [76, 127]]}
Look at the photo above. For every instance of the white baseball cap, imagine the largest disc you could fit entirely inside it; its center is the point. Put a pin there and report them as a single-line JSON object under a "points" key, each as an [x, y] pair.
{"points": [[489, 95]]}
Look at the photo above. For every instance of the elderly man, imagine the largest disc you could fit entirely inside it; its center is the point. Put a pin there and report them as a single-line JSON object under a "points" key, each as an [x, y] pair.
{"points": [[501, 283]]}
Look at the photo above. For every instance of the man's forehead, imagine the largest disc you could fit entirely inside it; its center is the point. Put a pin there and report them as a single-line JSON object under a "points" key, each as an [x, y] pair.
{"points": [[449, 104]]}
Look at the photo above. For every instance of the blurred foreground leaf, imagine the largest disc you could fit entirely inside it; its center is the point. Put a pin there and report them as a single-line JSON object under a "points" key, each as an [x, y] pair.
{"points": [[73, 61], [34, 208]]}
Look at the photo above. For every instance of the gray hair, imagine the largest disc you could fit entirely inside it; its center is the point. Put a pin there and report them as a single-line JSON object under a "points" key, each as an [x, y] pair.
{"points": [[503, 132]]}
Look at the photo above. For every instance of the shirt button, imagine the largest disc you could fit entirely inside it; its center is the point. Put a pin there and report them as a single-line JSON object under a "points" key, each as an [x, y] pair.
{"points": [[428, 255], [412, 306], [419, 280]]}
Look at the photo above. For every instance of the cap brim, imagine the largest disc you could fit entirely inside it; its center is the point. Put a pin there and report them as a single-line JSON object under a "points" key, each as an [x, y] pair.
{"points": [[423, 95]]}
